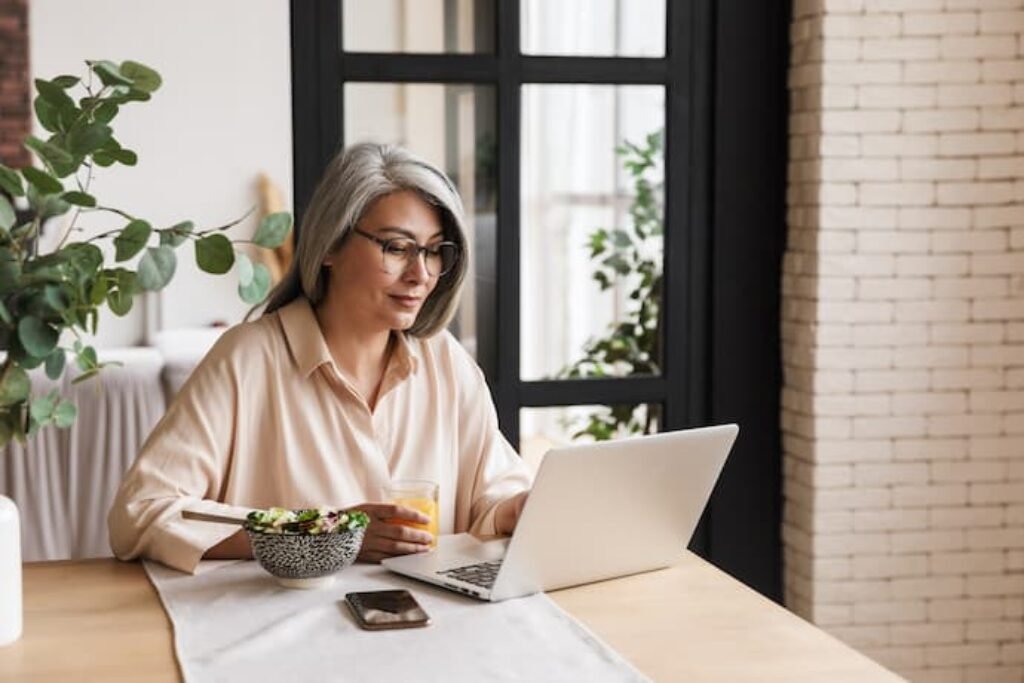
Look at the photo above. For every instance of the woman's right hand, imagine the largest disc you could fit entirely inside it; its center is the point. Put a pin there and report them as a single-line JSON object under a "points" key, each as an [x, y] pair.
{"points": [[386, 537]]}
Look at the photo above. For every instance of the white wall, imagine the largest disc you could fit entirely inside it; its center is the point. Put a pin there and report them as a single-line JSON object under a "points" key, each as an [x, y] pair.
{"points": [[222, 116]]}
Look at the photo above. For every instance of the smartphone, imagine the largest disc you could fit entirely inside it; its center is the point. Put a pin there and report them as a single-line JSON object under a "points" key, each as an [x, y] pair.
{"points": [[378, 610]]}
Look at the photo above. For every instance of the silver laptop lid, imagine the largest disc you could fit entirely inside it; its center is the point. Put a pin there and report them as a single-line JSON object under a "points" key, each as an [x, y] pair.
{"points": [[608, 509]]}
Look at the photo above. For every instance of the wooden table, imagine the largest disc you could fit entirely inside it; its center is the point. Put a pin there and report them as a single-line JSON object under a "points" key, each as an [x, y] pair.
{"points": [[101, 620]]}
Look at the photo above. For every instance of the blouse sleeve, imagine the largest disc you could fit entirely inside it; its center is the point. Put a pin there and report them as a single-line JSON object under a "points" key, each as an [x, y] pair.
{"points": [[490, 470], [181, 466]]}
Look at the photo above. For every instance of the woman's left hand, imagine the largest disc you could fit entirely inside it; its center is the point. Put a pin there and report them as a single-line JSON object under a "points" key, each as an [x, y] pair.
{"points": [[507, 515]]}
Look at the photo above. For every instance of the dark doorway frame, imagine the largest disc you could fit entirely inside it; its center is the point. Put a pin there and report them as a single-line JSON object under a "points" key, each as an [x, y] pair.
{"points": [[725, 173]]}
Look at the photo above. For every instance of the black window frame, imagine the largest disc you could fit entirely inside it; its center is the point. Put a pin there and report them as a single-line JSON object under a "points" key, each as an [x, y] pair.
{"points": [[702, 182]]}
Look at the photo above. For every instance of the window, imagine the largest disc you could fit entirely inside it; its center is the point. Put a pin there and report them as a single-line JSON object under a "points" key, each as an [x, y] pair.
{"points": [[527, 120]]}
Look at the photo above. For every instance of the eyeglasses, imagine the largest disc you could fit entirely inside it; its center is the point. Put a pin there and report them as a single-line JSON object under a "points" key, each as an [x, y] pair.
{"points": [[399, 253]]}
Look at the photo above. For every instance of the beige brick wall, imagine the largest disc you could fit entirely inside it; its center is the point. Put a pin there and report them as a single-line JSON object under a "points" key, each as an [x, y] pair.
{"points": [[903, 332]]}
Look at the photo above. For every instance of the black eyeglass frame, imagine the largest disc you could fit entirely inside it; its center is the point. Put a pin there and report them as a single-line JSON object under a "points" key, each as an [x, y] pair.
{"points": [[421, 250]]}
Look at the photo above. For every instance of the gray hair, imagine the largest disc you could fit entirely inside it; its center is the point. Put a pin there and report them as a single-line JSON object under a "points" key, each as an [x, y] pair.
{"points": [[353, 181]]}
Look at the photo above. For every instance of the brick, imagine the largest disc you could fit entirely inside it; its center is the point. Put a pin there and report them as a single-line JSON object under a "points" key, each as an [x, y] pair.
{"points": [[995, 630], [866, 335], [940, 23], [985, 333], [848, 591], [855, 264], [897, 193], [938, 169], [840, 146], [851, 405], [934, 218], [889, 611], [891, 241], [940, 310], [967, 241], [860, 169], [1008, 264], [841, 73], [872, 121], [940, 120], [975, 95], [929, 403], [965, 517], [888, 566], [896, 658], [930, 357], [893, 289], [968, 47], [891, 379], [931, 265], [877, 427], [860, 26], [972, 144], [914, 48], [929, 495], [855, 311], [831, 545], [978, 378], [951, 655], [974, 193], [901, 145], [973, 471], [930, 449], [1002, 22], [844, 450], [1004, 118], [1000, 70], [963, 71], [862, 636], [998, 448], [990, 585], [971, 287], [927, 634], [852, 499], [982, 539], [960, 609], [996, 401], [1004, 354], [967, 563], [989, 493], [996, 309], [964, 425]]}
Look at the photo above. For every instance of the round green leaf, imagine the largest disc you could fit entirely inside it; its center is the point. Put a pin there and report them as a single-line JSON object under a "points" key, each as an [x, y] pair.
{"points": [[176, 235], [14, 385], [54, 94], [214, 254], [47, 114], [41, 408], [245, 270], [7, 216], [79, 198], [55, 364], [109, 73], [142, 76], [273, 229], [119, 301], [49, 152], [131, 240], [106, 112], [124, 156], [64, 415], [256, 291], [41, 180], [156, 268], [87, 359], [10, 182], [37, 338], [88, 138]]}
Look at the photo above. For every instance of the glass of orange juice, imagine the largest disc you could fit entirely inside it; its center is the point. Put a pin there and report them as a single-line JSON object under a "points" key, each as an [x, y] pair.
{"points": [[418, 495]]}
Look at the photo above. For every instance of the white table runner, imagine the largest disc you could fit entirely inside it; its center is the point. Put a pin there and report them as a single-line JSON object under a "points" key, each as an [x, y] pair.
{"points": [[233, 622]]}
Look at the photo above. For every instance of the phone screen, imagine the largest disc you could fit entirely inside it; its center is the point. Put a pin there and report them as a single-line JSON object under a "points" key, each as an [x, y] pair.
{"points": [[386, 609]]}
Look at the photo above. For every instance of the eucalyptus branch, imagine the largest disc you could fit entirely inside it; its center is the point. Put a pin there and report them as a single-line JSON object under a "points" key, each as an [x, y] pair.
{"points": [[227, 226]]}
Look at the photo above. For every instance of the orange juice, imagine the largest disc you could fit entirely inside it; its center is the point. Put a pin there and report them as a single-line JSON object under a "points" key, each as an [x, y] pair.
{"points": [[427, 506], [420, 496]]}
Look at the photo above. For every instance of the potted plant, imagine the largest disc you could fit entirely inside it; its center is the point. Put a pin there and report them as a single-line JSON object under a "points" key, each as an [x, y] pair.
{"points": [[50, 299], [46, 298]]}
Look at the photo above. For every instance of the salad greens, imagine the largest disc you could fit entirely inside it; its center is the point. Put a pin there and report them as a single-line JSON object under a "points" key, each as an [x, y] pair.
{"points": [[321, 520]]}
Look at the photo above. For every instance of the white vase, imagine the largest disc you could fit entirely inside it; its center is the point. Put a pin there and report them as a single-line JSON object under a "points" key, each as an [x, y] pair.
{"points": [[10, 572]]}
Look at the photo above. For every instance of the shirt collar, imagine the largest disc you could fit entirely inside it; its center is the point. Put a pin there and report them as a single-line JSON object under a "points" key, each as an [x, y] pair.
{"points": [[309, 348]]}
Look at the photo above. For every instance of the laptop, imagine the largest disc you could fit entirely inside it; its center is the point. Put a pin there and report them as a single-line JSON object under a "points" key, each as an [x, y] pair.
{"points": [[596, 511]]}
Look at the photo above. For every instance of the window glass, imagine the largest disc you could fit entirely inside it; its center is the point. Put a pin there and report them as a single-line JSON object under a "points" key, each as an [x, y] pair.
{"points": [[591, 231], [605, 28], [451, 125], [421, 26], [541, 429]]}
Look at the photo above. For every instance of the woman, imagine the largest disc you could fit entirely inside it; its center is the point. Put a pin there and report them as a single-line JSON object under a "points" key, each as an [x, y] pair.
{"points": [[347, 382]]}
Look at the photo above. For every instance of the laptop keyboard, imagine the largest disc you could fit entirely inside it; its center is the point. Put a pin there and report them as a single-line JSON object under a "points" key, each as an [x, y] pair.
{"points": [[480, 574]]}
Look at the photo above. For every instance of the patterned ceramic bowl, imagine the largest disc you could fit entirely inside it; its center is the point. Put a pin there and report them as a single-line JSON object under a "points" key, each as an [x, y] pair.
{"points": [[300, 560]]}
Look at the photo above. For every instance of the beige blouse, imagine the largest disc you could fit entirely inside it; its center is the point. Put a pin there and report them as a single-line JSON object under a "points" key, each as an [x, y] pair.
{"points": [[266, 419]]}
